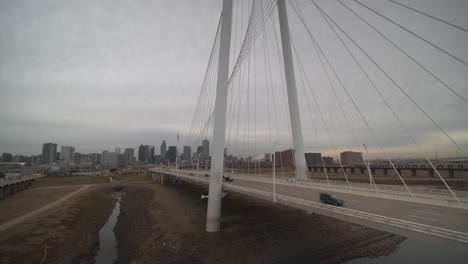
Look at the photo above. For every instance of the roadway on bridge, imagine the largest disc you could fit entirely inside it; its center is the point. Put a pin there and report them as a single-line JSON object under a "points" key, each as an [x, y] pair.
{"points": [[444, 217]]}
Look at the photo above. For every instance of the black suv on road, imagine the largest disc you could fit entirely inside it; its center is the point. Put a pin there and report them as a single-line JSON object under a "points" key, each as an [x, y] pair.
{"points": [[330, 199]]}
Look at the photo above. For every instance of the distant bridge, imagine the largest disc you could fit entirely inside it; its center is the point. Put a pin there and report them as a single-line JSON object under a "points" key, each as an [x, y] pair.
{"points": [[9, 187]]}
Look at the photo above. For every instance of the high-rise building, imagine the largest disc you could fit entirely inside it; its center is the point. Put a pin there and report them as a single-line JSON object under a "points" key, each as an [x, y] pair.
{"points": [[67, 155], [171, 153], [267, 156], [147, 154], [151, 154], [129, 153], [109, 159], [122, 160], [79, 157], [328, 161], [141, 153], [49, 151], [199, 151], [351, 158], [313, 159], [163, 152], [285, 158], [7, 157], [206, 149], [157, 158], [187, 153], [117, 150]]}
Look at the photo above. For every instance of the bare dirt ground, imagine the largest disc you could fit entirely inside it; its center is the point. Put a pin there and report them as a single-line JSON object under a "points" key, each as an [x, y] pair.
{"points": [[67, 233], [165, 224], [29, 199]]}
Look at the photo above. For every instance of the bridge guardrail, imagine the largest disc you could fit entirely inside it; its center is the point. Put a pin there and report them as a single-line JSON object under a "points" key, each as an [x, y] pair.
{"points": [[384, 189], [437, 231]]}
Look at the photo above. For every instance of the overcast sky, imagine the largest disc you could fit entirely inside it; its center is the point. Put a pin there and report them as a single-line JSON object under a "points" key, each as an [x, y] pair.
{"points": [[103, 74]]}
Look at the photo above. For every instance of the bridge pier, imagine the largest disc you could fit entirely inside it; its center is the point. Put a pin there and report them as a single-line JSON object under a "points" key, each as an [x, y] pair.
{"points": [[430, 173], [5, 191], [451, 174]]}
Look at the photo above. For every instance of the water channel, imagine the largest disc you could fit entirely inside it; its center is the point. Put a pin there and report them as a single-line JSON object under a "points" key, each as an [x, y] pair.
{"points": [[107, 240]]}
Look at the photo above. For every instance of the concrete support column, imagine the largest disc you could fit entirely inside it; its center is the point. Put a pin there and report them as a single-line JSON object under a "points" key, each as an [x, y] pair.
{"points": [[431, 172], [293, 102], [452, 174], [213, 213]]}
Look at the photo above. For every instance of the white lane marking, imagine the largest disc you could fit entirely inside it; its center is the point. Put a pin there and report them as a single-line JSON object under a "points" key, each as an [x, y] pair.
{"points": [[425, 218], [426, 212]]}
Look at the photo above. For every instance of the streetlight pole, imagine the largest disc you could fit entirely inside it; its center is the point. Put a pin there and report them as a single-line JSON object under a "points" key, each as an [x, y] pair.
{"points": [[274, 172], [198, 165], [368, 166]]}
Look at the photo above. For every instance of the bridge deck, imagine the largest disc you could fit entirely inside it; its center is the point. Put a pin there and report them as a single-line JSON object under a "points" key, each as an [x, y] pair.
{"points": [[444, 217], [399, 217]]}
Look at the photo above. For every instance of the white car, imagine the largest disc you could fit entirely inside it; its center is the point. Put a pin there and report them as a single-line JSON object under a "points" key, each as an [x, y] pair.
{"points": [[291, 179]]}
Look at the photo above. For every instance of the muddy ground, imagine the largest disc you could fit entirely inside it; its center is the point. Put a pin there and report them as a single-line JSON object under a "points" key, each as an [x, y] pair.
{"points": [[30, 199], [165, 224], [66, 234]]}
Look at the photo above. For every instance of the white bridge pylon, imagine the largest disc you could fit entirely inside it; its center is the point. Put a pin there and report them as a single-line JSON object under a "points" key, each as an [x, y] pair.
{"points": [[217, 163]]}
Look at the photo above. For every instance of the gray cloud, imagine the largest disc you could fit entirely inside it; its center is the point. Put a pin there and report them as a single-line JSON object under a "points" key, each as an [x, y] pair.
{"points": [[105, 74]]}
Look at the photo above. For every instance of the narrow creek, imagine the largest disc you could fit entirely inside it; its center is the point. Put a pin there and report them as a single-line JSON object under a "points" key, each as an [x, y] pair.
{"points": [[107, 241]]}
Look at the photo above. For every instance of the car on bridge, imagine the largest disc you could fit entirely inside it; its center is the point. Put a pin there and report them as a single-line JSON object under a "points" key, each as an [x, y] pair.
{"points": [[227, 179], [330, 199], [291, 179]]}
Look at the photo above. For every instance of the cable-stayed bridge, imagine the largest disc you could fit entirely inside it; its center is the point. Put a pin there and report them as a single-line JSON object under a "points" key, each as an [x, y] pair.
{"points": [[382, 79]]}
